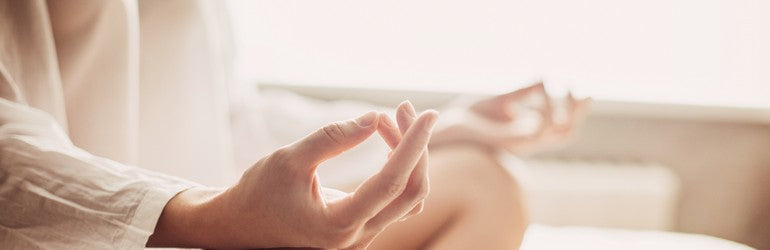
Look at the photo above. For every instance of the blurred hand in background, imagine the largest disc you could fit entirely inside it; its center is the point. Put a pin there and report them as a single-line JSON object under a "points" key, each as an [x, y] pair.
{"points": [[519, 121]]}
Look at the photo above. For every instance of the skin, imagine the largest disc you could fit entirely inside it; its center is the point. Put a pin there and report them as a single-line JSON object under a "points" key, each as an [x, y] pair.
{"points": [[497, 115], [279, 203], [475, 202]]}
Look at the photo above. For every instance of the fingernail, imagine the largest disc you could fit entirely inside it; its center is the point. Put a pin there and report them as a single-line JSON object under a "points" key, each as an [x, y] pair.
{"points": [[410, 109], [367, 119], [386, 121]]}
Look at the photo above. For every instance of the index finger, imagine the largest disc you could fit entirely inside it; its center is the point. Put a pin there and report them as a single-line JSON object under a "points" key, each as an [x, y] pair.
{"points": [[382, 188]]}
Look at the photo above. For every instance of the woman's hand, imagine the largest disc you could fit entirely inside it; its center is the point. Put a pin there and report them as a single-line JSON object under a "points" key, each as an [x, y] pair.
{"points": [[490, 122], [279, 203]]}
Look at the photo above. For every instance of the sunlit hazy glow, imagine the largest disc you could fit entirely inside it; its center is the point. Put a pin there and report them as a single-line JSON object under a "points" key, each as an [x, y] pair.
{"points": [[672, 51]]}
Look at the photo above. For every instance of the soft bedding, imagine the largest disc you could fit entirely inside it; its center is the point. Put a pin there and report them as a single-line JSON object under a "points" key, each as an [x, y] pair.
{"points": [[541, 237]]}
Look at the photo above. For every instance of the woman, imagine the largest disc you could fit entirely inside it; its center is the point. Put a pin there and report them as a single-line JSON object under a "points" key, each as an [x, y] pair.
{"points": [[146, 83]]}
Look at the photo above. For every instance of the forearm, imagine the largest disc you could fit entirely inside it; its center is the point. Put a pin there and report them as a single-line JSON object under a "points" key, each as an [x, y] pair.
{"points": [[189, 220], [213, 218]]}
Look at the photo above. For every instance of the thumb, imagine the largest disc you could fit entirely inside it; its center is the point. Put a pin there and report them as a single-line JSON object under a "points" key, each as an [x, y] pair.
{"points": [[334, 138]]}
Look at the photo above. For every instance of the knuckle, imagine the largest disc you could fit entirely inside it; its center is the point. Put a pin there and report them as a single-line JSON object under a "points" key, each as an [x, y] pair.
{"points": [[423, 190], [282, 157], [334, 132], [419, 190], [394, 188], [279, 156]]}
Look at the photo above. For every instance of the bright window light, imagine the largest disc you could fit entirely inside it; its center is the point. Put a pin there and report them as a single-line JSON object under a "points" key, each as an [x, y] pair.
{"points": [[712, 52]]}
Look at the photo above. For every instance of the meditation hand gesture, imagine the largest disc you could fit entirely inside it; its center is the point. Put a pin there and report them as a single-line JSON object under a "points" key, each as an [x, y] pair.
{"points": [[279, 203], [490, 122]]}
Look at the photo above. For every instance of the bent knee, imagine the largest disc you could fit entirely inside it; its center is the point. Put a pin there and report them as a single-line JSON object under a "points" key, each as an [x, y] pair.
{"points": [[485, 191], [478, 171]]}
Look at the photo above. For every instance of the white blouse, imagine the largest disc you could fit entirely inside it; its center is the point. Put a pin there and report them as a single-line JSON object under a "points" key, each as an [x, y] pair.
{"points": [[92, 88]]}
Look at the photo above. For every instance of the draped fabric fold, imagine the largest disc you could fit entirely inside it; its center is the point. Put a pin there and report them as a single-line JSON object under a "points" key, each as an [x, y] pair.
{"points": [[92, 88]]}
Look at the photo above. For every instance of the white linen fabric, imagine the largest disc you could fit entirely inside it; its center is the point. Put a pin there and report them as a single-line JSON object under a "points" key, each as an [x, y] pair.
{"points": [[54, 195], [141, 83]]}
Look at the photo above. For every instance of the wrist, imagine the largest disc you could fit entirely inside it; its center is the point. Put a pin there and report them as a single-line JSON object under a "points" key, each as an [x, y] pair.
{"points": [[186, 220]]}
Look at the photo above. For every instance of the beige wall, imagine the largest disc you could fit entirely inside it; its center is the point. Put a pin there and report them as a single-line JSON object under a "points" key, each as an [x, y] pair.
{"points": [[724, 168]]}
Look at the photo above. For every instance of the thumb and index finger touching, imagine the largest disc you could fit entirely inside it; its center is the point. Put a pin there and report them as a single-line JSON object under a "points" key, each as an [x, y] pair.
{"points": [[337, 137], [381, 189], [376, 192]]}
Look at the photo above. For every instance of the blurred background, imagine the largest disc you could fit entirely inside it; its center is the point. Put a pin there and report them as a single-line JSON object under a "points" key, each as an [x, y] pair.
{"points": [[678, 138]]}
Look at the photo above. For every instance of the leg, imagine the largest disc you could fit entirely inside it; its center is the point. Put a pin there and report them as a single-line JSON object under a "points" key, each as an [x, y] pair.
{"points": [[473, 204]]}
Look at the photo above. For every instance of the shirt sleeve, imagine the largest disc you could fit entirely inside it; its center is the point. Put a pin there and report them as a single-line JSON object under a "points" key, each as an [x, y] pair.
{"points": [[54, 195]]}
